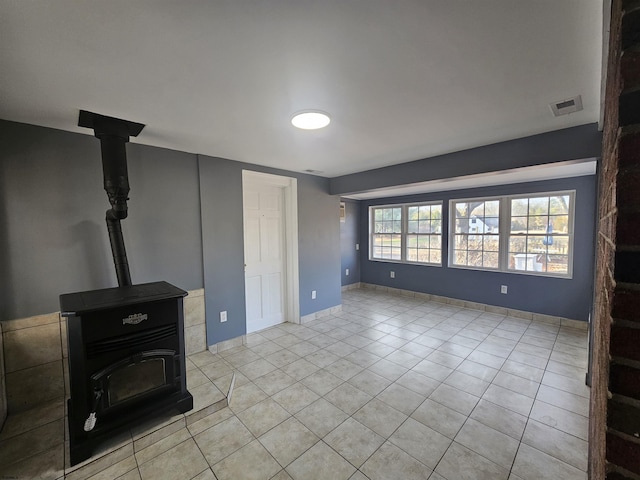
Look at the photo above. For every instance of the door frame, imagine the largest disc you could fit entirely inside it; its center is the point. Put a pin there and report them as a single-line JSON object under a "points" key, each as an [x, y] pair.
{"points": [[289, 188]]}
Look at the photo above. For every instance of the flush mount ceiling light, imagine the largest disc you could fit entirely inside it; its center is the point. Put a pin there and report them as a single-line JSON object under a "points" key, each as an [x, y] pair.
{"points": [[310, 120]]}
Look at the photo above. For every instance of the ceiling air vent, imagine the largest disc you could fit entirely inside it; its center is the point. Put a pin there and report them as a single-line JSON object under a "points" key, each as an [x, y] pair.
{"points": [[564, 107]]}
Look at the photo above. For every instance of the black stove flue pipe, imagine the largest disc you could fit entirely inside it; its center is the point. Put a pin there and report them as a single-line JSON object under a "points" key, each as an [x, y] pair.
{"points": [[114, 133]]}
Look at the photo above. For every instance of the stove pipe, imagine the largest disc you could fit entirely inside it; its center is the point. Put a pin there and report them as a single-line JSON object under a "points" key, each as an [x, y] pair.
{"points": [[114, 133]]}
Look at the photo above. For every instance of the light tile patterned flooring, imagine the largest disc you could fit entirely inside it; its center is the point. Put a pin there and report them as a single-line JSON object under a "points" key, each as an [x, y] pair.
{"points": [[391, 388]]}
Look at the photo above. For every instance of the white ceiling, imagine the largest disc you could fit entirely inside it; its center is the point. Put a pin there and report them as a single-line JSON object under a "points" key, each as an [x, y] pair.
{"points": [[401, 79]]}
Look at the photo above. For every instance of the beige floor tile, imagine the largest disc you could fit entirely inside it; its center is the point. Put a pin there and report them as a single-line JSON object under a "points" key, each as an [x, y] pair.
{"points": [[391, 462], [320, 462], [577, 373], [568, 401], [516, 383], [257, 368], [370, 382], [499, 418], [418, 383], [182, 461], [506, 398], [455, 399], [565, 447], [348, 398], [380, 417], [117, 470], [421, 442], [440, 418], [490, 443], [562, 419], [477, 370], [246, 396], [379, 349], [282, 358], [32, 442], [571, 385], [281, 475], [354, 441], [401, 398], [153, 431], [203, 358], [321, 382], [387, 369], [532, 464], [242, 358], [528, 359], [135, 475], [358, 476], [322, 358], [209, 421], [295, 398], [344, 368], [467, 383], [265, 348], [363, 358], [341, 349], [206, 475], [321, 417], [251, 462], [288, 441], [300, 369], [46, 465], [205, 395], [38, 416], [223, 439], [432, 370], [525, 371], [274, 381], [195, 378], [460, 463], [486, 359], [144, 455], [417, 350], [263, 416]]}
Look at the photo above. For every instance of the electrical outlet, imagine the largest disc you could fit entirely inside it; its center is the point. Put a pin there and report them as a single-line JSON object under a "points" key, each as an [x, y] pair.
{"points": [[346, 272], [503, 289], [393, 274], [223, 316], [313, 294], [357, 246]]}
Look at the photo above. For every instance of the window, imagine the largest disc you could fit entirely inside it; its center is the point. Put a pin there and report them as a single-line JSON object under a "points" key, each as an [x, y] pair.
{"points": [[532, 234], [476, 241], [540, 234], [386, 241], [407, 233]]}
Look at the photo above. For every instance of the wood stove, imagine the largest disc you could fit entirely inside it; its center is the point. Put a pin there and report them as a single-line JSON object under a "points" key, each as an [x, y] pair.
{"points": [[126, 360], [126, 344]]}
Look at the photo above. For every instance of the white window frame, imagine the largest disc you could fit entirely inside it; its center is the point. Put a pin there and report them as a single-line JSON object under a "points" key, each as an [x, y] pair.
{"points": [[504, 232], [404, 232]]}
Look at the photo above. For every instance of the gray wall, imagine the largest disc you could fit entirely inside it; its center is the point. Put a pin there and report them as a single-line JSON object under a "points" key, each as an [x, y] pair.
{"points": [[349, 237], [569, 298], [223, 244], [573, 143], [53, 237]]}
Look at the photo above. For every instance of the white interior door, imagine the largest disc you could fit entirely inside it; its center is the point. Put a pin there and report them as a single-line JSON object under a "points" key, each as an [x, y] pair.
{"points": [[264, 255]]}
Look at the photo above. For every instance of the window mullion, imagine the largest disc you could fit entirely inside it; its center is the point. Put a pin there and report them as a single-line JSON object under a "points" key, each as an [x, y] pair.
{"points": [[505, 229], [403, 233]]}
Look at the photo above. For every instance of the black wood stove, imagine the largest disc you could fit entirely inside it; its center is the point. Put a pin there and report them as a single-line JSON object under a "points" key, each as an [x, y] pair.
{"points": [[126, 344], [126, 360]]}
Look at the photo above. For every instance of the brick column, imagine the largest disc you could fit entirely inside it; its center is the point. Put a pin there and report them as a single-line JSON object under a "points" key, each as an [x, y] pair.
{"points": [[614, 449]]}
